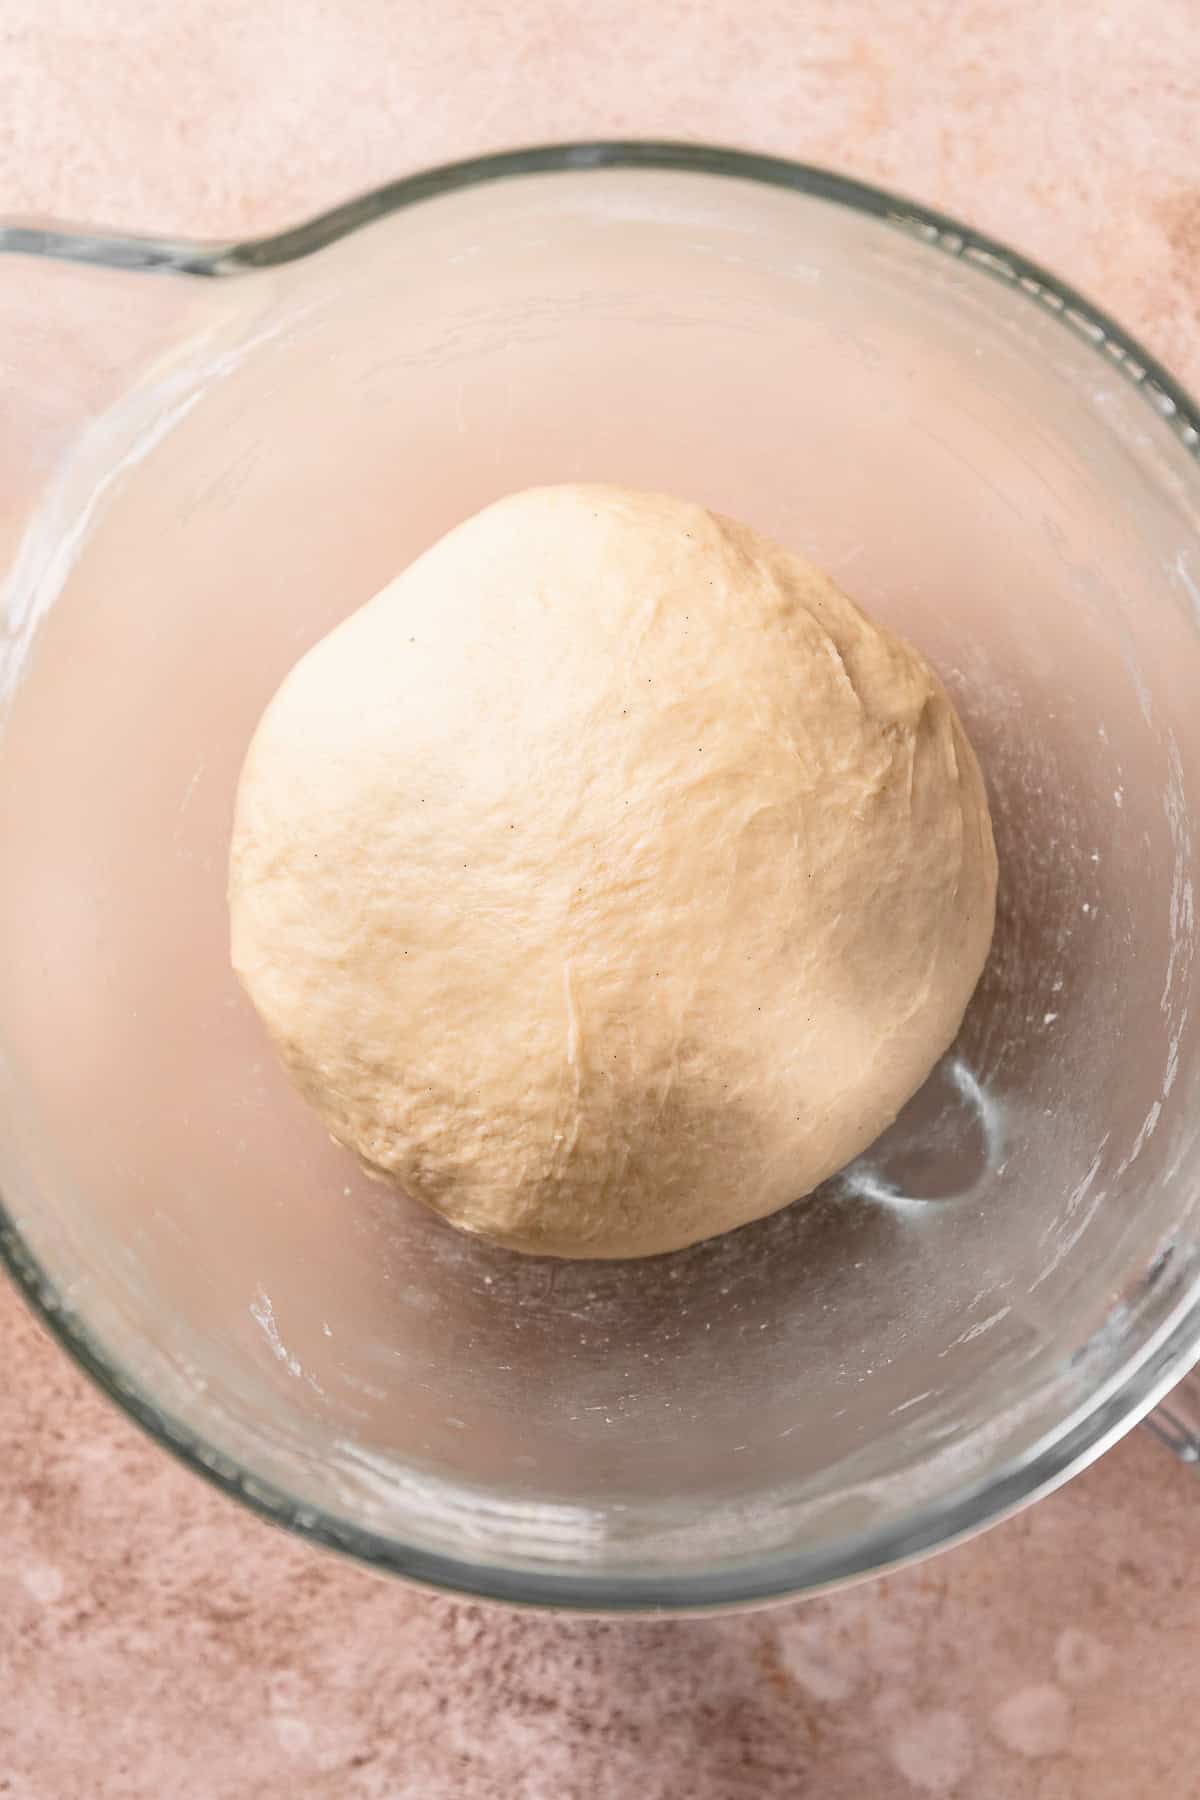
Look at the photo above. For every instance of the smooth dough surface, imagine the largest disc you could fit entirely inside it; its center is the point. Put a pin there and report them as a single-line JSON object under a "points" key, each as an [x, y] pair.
{"points": [[609, 880]]}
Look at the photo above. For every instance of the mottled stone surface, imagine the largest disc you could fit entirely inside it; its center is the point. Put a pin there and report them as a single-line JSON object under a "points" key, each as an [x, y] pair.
{"points": [[155, 1642]]}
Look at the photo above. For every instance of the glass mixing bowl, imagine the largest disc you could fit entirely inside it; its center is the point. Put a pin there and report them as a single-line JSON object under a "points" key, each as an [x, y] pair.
{"points": [[214, 451]]}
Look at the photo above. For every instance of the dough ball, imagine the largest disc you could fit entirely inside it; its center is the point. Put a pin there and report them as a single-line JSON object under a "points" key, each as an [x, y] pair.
{"points": [[609, 880]]}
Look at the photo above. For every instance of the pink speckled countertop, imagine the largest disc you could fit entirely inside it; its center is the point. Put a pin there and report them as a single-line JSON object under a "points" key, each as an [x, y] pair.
{"points": [[155, 1642]]}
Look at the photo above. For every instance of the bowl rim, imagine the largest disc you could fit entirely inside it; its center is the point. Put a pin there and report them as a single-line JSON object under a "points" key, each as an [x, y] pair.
{"points": [[1120, 1402]]}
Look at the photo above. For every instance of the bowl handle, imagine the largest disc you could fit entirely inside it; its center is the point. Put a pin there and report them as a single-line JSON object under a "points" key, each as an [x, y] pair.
{"points": [[83, 318], [1175, 1421]]}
